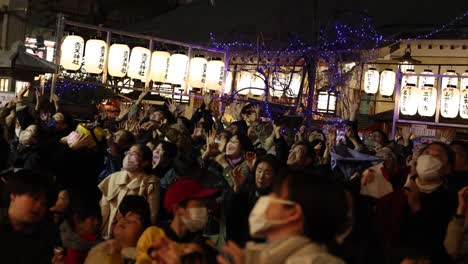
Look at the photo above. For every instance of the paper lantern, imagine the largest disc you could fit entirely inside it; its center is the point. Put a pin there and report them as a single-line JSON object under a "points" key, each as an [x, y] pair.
{"points": [[387, 82], [95, 55], [427, 78], [464, 103], [295, 84], [257, 82], [371, 81], [118, 60], [244, 81], [409, 100], [409, 80], [406, 66], [215, 75], [326, 102], [228, 85], [139, 62], [452, 80], [427, 100], [197, 74], [464, 81], [449, 101], [72, 53], [159, 66], [177, 68], [278, 81]]}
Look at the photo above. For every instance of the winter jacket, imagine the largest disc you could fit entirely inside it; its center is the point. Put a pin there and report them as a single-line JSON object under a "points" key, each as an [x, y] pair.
{"points": [[117, 185], [296, 249]]}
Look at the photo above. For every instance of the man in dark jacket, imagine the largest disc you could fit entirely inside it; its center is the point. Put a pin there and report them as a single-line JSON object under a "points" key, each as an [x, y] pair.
{"points": [[26, 236]]}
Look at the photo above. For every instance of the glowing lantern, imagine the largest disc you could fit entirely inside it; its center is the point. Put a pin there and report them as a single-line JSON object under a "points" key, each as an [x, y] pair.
{"points": [[450, 80], [257, 82], [95, 55], [409, 80], [278, 81], [406, 66], [427, 100], [118, 60], [464, 81], [177, 68], [243, 82], [215, 75], [450, 101], [326, 102], [387, 82], [159, 66], [371, 81], [228, 86], [72, 53], [197, 75], [464, 103], [409, 100], [295, 84], [426, 78], [139, 62]]}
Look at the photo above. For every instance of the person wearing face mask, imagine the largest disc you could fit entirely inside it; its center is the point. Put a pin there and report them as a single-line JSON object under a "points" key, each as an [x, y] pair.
{"points": [[26, 152], [118, 143], [301, 219], [186, 200], [241, 201], [421, 211], [134, 179]]}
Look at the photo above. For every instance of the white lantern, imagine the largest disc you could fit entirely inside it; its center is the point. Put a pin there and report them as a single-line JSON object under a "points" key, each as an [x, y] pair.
{"points": [[409, 80], [449, 101], [464, 81], [228, 85], [295, 84], [450, 80], [243, 82], [326, 102], [427, 100], [159, 66], [139, 62], [197, 73], [278, 82], [406, 66], [177, 68], [257, 82], [371, 81], [72, 53], [409, 100], [387, 82], [215, 75], [464, 103], [427, 77], [118, 60], [95, 55]]}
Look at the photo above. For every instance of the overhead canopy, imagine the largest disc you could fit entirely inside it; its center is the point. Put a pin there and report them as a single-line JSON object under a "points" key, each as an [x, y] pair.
{"points": [[22, 65]]}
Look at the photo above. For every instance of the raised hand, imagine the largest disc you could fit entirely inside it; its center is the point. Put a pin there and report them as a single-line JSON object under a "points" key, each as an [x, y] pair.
{"points": [[124, 110], [171, 106]]}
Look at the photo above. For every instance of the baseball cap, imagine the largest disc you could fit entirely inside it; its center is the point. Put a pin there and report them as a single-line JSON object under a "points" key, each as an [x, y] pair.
{"points": [[183, 190]]}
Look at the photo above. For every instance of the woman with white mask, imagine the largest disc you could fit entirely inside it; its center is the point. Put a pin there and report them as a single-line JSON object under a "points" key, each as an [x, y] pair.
{"points": [[25, 153], [421, 211], [133, 179], [301, 219]]}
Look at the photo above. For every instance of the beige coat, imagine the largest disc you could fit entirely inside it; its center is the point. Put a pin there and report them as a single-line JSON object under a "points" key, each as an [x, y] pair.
{"points": [[293, 250], [116, 186]]}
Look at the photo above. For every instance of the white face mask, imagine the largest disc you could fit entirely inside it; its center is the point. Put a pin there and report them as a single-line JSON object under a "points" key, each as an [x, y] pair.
{"points": [[198, 219], [258, 221], [131, 163], [428, 168], [25, 137]]}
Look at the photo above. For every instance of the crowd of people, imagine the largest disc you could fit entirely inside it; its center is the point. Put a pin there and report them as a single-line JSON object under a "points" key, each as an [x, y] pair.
{"points": [[152, 186]]}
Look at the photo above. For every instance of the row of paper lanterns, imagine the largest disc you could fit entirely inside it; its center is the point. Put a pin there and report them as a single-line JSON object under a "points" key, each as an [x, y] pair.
{"points": [[249, 82], [385, 82], [135, 63], [423, 99]]}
